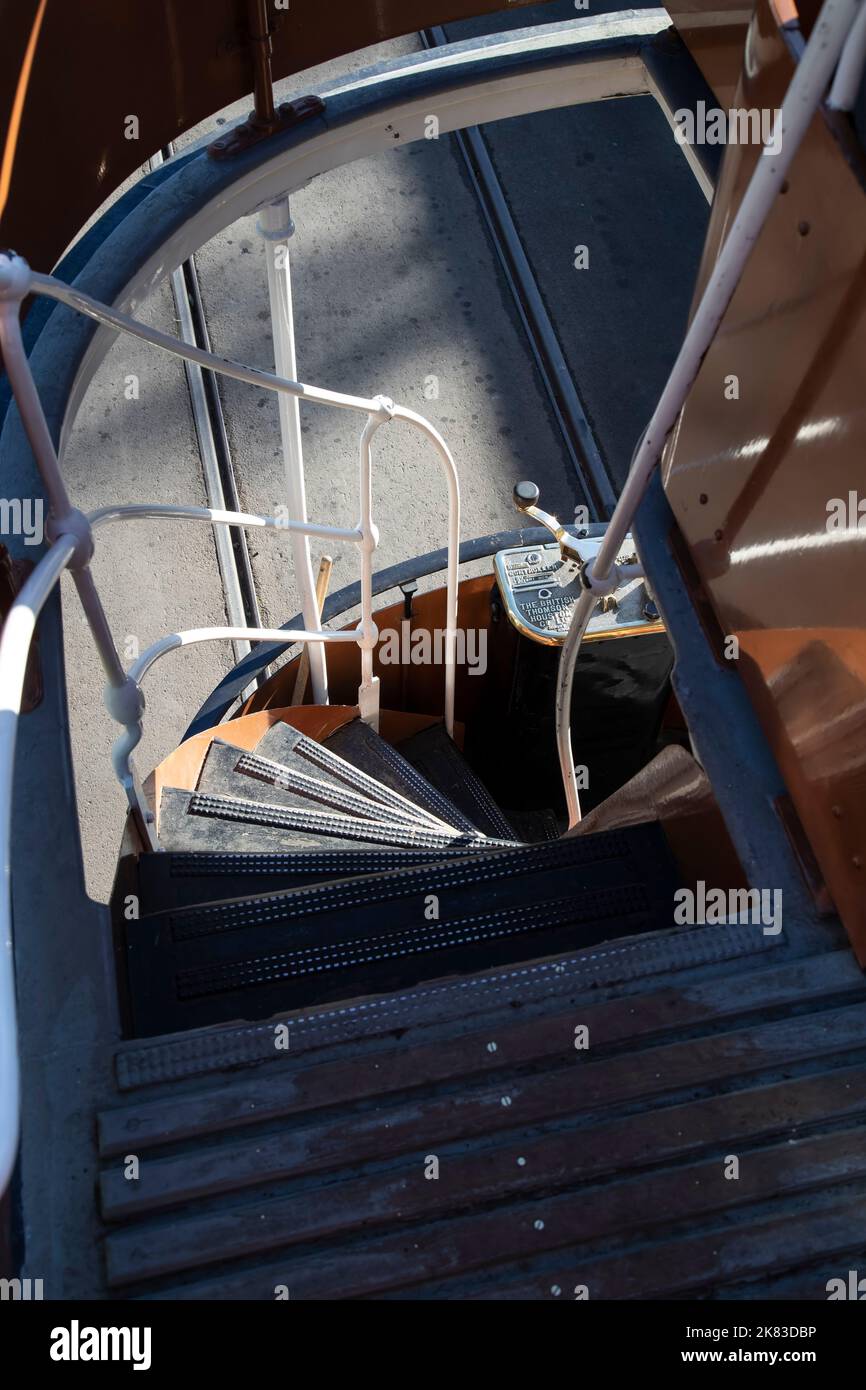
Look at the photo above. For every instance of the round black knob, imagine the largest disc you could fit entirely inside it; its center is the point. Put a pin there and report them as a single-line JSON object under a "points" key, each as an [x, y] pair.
{"points": [[526, 495]]}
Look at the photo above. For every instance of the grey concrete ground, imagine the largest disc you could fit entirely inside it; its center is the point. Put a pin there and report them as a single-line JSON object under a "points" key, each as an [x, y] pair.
{"points": [[395, 283], [154, 577]]}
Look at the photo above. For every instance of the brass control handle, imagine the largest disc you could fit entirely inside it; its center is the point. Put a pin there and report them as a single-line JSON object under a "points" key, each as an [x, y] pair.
{"points": [[526, 495]]}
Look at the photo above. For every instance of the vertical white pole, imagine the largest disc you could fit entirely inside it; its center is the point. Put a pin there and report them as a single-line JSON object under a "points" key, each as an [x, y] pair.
{"points": [[276, 226], [368, 691]]}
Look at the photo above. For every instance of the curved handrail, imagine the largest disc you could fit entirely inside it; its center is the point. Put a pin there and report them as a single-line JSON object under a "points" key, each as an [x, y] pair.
{"points": [[174, 640], [378, 410], [217, 516], [83, 303], [453, 546], [15, 642]]}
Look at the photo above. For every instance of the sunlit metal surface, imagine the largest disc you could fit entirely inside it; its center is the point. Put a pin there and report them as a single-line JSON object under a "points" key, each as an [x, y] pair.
{"points": [[774, 520]]}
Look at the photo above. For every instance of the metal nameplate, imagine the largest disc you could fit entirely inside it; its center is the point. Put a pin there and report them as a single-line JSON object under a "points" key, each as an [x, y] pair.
{"points": [[539, 590]]}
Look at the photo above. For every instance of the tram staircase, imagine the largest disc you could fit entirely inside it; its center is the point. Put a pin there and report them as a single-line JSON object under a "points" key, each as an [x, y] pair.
{"points": [[358, 1066]]}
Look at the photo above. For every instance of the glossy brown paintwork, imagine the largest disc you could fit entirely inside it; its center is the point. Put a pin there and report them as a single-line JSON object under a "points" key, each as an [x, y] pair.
{"points": [[750, 480], [714, 32], [171, 63], [416, 687]]}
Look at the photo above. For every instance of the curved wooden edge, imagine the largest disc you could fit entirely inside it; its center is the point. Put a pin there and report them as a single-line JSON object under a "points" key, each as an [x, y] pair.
{"points": [[182, 768]]}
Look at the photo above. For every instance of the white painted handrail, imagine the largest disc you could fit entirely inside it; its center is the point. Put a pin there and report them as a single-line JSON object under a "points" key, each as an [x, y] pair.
{"points": [[52, 288], [174, 640], [849, 73], [164, 511], [451, 575], [15, 642], [128, 741], [275, 225], [379, 410], [72, 547]]}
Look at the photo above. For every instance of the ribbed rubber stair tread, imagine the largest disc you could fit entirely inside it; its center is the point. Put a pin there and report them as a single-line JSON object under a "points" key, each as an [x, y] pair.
{"points": [[438, 759], [534, 827], [361, 746], [252, 957], [198, 820], [172, 879], [286, 745], [234, 772]]}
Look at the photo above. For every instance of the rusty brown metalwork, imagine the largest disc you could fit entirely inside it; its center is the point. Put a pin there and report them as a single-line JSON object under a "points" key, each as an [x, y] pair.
{"points": [[264, 113]]}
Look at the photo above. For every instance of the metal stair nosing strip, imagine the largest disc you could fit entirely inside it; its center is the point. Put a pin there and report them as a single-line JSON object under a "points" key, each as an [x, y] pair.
{"points": [[689, 954], [508, 876], [359, 744], [194, 820], [233, 772], [407, 793]]}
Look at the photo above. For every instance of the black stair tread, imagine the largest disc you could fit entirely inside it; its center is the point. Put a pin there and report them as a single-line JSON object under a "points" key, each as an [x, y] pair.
{"points": [[253, 957], [361, 746], [171, 879], [534, 827], [436, 756], [200, 821], [235, 772], [286, 745]]}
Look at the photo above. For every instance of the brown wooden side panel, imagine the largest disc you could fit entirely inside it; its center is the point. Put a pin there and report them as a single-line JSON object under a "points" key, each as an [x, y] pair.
{"points": [[769, 448], [169, 63], [714, 32]]}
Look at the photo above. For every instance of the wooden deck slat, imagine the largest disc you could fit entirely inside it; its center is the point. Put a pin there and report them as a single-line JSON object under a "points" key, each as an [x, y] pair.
{"points": [[554, 1161], [467, 1243], [216, 1052], [467, 1240], [313, 1085], [485, 1108], [694, 1264]]}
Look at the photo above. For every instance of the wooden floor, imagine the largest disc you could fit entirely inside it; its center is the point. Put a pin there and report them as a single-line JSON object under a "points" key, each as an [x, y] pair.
{"points": [[605, 1171]]}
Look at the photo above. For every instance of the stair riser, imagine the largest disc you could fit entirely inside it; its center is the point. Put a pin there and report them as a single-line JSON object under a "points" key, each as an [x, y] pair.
{"points": [[251, 958], [259, 988], [168, 881]]}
